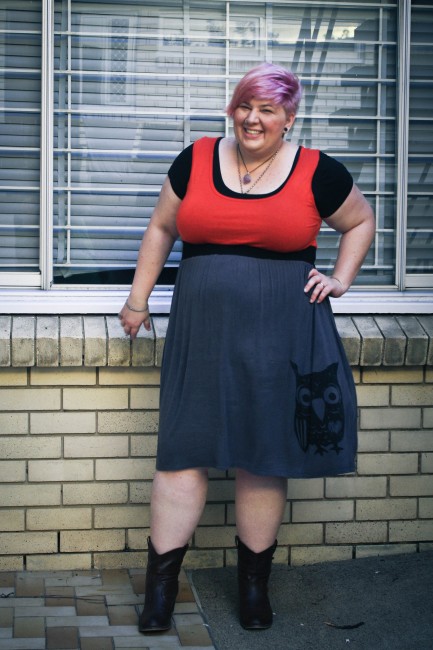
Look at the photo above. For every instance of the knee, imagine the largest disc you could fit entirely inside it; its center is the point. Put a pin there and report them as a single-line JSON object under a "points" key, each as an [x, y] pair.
{"points": [[184, 481]]}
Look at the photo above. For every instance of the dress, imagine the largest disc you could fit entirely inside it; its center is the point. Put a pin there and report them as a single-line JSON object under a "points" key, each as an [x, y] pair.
{"points": [[253, 375]]}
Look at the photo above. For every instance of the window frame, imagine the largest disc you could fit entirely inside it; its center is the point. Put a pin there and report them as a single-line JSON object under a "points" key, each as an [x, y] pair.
{"points": [[35, 293]]}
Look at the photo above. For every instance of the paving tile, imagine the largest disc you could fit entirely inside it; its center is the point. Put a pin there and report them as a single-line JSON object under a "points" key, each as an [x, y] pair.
{"points": [[45, 611], [60, 638], [138, 583], [77, 621], [22, 644], [88, 606], [29, 586], [116, 577], [60, 597], [6, 617], [97, 644], [113, 631], [194, 635], [6, 632], [187, 619], [124, 599], [19, 603], [152, 642], [186, 608], [122, 615], [7, 579], [7, 592], [31, 627]]}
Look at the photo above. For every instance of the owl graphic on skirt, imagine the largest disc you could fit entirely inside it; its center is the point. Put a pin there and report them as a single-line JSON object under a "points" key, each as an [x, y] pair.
{"points": [[319, 411]]}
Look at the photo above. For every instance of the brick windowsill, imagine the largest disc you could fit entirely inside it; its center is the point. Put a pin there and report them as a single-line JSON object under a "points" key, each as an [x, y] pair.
{"points": [[73, 341]]}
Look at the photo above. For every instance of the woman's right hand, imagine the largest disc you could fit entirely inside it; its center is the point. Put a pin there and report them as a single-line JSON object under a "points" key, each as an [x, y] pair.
{"points": [[131, 319]]}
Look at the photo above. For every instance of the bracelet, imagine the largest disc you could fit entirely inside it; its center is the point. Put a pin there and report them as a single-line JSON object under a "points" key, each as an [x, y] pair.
{"points": [[136, 310], [335, 278]]}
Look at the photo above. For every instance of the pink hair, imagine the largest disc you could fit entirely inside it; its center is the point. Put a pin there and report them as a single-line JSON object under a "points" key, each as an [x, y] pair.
{"points": [[268, 81]]}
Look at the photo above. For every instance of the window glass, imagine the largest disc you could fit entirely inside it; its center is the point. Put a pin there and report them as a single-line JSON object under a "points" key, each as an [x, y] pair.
{"points": [[20, 97]]}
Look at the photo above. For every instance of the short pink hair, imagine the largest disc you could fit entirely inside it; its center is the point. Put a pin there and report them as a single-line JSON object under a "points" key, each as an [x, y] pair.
{"points": [[268, 81]]}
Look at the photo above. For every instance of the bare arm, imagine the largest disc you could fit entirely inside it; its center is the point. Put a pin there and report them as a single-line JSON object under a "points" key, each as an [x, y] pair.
{"points": [[355, 221], [155, 247]]}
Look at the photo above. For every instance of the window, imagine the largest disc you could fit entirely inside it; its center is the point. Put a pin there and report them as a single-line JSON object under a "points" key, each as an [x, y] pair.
{"points": [[134, 82]]}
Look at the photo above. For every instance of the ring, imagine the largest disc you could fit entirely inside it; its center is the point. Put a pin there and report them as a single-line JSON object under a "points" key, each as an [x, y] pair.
{"points": [[322, 284]]}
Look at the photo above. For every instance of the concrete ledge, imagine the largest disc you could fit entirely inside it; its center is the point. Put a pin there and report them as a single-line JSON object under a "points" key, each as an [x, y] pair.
{"points": [[52, 341]]}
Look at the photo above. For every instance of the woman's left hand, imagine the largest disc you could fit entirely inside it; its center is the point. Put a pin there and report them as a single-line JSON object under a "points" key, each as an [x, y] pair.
{"points": [[322, 286]]}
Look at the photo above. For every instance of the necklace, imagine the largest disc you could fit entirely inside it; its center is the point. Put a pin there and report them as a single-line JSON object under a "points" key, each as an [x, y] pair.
{"points": [[246, 179]]}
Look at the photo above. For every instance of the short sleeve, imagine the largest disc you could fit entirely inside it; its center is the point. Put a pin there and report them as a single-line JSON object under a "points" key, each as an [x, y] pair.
{"points": [[331, 185], [180, 171]]}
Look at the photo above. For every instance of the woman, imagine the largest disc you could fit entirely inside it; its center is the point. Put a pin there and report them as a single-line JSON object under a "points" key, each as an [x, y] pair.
{"points": [[254, 376]]}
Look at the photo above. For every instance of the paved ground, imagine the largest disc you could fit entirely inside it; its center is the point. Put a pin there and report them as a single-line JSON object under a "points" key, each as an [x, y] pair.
{"points": [[375, 603], [90, 610]]}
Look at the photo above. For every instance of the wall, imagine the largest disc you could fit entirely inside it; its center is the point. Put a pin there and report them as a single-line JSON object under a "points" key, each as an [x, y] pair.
{"points": [[78, 427]]}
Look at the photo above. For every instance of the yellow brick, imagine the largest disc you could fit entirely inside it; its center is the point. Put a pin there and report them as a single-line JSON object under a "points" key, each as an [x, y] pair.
{"points": [[427, 464], [411, 531], [137, 538], [129, 560], [122, 516], [373, 441], [309, 511], [81, 541], [95, 446], [30, 447], [60, 562], [94, 493], [59, 518], [17, 543], [12, 471], [383, 375], [411, 395], [426, 508], [11, 520], [213, 515], [301, 555], [207, 559], [11, 563], [140, 492], [299, 488], [29, 399], [221, 490], [60, 470], [13, 376], [63, 423], [129, 376], [300, 534], [144, 445], [145, 398], [281, 556], [390, 418], [356, 374], [378, 550], [124, 469], [63, 376], [411, 486], [14, 423], [428, 417], [372, 395], [355, 486], [412, 440], [137, 422], [387, 464], [429, 375], [215, 536], [30, 495], [92, 399], [379, 509], [354, 532]]}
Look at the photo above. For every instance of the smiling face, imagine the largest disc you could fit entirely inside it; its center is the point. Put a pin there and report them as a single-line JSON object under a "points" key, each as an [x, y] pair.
{"points": [[259, 125]]}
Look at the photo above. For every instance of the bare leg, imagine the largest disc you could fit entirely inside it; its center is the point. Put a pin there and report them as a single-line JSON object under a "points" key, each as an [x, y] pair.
{"points": [[178, 500], [260, 505]]}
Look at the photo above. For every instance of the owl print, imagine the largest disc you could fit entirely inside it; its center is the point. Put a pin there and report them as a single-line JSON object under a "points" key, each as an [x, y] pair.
{"points": [[319, 412]]}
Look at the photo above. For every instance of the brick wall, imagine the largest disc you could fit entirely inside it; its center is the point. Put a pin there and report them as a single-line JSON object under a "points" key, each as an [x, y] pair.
{"points": [[78, 427]]}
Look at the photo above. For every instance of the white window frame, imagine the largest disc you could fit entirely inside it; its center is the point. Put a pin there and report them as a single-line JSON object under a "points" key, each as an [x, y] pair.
{"points": [[35, 293]]}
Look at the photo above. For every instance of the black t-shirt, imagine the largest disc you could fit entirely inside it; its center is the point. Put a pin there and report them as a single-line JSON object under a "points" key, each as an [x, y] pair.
{"points": [[331, 182]]}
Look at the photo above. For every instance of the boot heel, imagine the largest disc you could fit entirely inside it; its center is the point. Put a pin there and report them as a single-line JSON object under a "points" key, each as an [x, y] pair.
{"points": [[161, 588]]}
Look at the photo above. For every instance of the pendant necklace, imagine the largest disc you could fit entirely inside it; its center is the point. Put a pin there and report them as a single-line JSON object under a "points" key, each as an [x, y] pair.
{"points": [[246, 178]]}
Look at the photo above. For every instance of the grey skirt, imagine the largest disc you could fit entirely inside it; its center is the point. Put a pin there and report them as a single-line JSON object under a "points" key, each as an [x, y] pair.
{"points": [[254, 376]]}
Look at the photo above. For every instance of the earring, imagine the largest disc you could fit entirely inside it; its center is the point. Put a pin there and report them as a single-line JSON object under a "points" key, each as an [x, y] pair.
{"points": [[285, 129]]}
